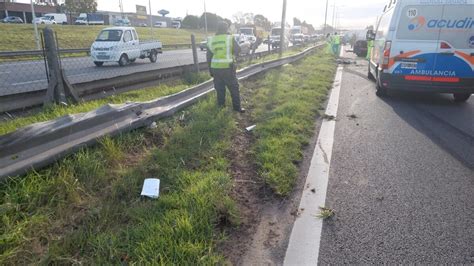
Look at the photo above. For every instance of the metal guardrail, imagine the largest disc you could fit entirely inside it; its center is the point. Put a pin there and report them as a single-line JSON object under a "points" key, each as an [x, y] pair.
{"points": [[41, 144], [76, 51], [25, 100]]}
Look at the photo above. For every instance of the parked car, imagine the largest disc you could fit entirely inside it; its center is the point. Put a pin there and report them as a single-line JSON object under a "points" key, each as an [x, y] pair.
{"points": [[242, 40], [44, 20], [244, 43], [143, 25], [360, 48], [12, 19], [424, 46], [58, 18], [297, 39], [160, 24], [122, 22], [121, 45], [203, 45]]}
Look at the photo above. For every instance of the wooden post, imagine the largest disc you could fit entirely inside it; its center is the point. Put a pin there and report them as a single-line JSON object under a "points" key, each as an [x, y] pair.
{"points": [[195, 55]]}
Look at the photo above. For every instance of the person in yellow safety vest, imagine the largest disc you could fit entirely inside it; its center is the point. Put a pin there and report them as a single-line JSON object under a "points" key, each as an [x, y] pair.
{"points": [[222, 49], [370, 45], [336, 44]]}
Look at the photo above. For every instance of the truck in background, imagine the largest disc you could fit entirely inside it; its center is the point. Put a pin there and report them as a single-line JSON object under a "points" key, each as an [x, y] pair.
{"points": [[90, 19], [299, 34], [58, 18], [275, 35]]}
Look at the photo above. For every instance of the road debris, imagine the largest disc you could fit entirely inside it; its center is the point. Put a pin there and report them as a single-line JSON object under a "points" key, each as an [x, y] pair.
{"points": [[151, 188], [153, 125], [325, 213], [329, 117], [250, 128]]}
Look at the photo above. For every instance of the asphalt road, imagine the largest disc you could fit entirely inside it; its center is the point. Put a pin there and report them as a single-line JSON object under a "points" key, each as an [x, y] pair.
{"points": [[29, 76], [402, 178]]}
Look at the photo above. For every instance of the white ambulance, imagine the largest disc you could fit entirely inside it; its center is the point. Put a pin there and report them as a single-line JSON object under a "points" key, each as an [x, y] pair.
{"points": [[425, 46]]}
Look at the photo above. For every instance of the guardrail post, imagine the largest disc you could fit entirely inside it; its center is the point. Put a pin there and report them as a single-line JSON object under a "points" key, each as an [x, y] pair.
{"points": [[58, 88], [195, 55]]}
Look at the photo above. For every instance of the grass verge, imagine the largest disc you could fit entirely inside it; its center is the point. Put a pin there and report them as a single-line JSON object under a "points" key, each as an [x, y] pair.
{"points": [[285, 105], [21, 37], [86, 208]]}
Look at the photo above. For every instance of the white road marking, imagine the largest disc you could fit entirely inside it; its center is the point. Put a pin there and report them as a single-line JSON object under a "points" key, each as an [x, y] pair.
{"points": [[29, 82], [305, 239]]}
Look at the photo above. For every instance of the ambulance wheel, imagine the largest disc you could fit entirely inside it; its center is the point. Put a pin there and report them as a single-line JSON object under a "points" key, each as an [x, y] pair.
{"points": [[98, 64], [461, 97]]}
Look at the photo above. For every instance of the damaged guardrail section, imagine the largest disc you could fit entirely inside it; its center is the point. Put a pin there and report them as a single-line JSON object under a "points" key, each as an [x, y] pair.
{"points": [[41, 144]]}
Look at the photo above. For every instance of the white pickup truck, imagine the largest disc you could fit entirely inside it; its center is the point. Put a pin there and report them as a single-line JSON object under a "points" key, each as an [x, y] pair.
{"points": [[121, 44]]}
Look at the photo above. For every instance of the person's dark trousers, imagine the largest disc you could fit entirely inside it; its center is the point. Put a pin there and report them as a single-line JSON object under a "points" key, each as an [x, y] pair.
{"points": [[227, 78]]}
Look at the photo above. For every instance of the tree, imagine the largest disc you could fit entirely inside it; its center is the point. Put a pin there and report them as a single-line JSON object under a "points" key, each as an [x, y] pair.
{"points": [[80, 6], [191, 22], [296, 22], [263, 22], [243, 18], [212, 21], [310, 27]]}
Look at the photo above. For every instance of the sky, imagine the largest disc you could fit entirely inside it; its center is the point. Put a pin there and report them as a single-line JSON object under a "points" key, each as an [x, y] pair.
{"points": [[351, 14]]}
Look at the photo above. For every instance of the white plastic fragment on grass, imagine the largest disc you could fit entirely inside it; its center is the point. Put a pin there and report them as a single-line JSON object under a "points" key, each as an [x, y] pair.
{"points": [[151, 188], [250, 128]]}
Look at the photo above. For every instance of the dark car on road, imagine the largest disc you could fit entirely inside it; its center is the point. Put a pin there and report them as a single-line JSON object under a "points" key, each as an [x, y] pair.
{"points": [[360, 48], [11, 19]]}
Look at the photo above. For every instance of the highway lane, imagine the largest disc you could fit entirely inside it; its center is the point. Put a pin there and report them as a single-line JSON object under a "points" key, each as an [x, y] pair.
{"points": [[402, 178], [29, 76]]}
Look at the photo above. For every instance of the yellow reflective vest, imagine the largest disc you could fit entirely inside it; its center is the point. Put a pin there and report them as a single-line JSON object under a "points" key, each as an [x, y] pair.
{"points": [[222, 48], [337, 39]]}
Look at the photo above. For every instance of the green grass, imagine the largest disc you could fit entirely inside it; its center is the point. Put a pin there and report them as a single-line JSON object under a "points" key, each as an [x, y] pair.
{"points": [[85, 209], [21, 37], [286, 104]]}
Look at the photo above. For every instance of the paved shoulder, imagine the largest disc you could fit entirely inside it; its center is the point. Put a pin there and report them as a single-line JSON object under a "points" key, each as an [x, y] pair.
{"points": [[401, 180]]}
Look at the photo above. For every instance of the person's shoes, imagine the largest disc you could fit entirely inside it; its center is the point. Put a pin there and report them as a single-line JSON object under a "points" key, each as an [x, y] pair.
{"points": [[242, 110]]}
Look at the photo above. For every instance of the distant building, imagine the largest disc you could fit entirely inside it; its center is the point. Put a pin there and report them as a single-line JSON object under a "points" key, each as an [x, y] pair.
{"points": [[24, 10]]}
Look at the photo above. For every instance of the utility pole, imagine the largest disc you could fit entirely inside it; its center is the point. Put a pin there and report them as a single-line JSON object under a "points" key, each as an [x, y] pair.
{"points": [[121, 8], [283, 26], [326, 19], [334, 15], [151, 20], [205, 18], [33, 17]]}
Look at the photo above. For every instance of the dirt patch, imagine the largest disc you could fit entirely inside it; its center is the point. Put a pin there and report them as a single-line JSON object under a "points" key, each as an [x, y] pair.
{"points": [[266, 220], [246, 192]]}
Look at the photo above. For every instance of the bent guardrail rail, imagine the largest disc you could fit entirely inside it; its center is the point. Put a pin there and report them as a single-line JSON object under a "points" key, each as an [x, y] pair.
{"points": [[41, 144]]}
